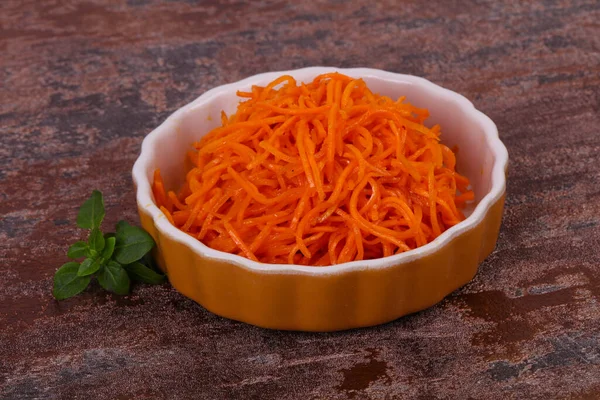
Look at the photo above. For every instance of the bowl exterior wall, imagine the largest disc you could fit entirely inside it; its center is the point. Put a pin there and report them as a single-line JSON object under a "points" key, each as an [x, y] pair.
{"points": [[325, 302]]}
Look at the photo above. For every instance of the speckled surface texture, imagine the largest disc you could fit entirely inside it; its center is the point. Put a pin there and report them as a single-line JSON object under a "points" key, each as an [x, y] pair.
{"points": [[83, 82]]}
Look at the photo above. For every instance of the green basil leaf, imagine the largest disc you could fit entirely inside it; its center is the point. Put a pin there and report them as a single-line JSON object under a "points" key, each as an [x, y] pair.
{"points": [[139, 272], [122, 225], [96, 240], [88, 267], [149, 262], [109, 247], [114, 278], [67, 283], [91, 212], [77, 250], [132, 243]]}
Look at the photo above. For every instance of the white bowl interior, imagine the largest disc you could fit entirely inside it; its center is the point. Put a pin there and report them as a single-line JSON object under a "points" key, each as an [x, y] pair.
{"points": [[482, 157]]}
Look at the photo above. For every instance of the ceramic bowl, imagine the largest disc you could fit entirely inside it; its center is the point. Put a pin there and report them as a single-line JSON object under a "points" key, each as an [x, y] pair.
{"points": [[348, 295]]}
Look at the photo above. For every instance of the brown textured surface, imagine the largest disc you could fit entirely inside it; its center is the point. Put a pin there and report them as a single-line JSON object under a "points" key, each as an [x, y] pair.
{"points": [[83, 82]]}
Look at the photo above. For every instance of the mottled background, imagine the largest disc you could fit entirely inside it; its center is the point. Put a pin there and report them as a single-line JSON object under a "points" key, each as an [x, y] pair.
{"points": [[83, 82]]}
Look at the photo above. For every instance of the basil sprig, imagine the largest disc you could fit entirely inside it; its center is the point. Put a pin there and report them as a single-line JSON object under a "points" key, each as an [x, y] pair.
{"points": [[113, 259]]}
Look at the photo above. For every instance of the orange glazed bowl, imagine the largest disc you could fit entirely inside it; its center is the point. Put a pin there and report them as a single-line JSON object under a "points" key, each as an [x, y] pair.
{"points": [[347, 295]]}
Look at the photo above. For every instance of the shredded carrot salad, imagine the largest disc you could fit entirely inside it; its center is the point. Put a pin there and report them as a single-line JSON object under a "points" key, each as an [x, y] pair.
{"points": [[318, 174]]}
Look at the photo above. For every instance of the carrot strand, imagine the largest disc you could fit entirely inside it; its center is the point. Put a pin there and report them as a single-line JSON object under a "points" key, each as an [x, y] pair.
{"points": [[318, 173]]}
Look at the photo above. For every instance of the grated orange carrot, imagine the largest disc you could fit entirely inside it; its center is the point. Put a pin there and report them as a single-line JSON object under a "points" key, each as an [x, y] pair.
{"points": [[318, 174]]}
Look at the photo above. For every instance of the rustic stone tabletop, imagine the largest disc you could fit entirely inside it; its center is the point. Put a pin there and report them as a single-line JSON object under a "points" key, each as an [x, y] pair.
{"points": [[81, 84]]}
